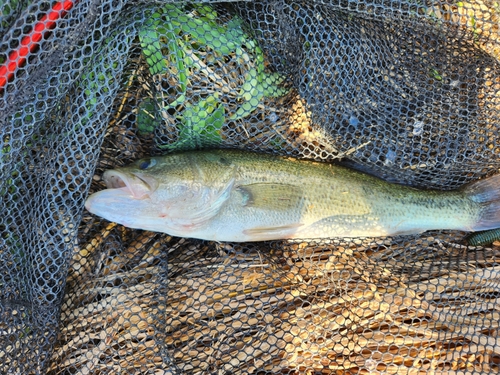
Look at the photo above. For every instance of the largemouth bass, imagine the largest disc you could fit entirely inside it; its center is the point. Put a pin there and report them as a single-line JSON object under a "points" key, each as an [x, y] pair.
{"points": [[226, 195]]}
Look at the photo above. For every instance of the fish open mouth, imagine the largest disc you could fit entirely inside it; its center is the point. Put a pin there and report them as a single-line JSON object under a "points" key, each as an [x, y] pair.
{"points": [[139, 185], [114, 180]]}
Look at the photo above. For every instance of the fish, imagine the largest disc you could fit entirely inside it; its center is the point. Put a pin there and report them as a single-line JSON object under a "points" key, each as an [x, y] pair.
{"points": [[242, 196]]}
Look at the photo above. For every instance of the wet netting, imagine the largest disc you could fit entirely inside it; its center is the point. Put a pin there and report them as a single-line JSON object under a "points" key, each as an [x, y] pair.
{"points": [[404, 90]]}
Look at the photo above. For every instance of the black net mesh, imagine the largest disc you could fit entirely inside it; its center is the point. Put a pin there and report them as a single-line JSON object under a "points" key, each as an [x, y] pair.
{"points": [[404, 90]]}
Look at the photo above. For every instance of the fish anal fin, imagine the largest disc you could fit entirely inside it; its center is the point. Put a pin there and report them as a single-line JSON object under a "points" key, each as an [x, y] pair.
{"points": [[276, 197]]}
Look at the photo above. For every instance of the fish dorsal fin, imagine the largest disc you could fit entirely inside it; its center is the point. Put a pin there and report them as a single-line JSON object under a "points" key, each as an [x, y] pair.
{"points": [[271, 196]]}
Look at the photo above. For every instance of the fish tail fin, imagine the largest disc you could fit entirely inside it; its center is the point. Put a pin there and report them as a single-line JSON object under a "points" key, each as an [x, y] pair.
{"points": [[486, 192]]}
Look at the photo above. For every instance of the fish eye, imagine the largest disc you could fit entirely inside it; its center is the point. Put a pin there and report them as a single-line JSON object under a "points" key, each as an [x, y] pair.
{"points": [[147, 163]]}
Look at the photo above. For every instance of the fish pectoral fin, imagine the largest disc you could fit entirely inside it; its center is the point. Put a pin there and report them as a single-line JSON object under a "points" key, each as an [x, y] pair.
{"points": [[276, 197], [272, 233]]}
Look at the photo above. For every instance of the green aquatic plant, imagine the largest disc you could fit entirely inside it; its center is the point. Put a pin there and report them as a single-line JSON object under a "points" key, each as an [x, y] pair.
{"points": [[184, 43]]}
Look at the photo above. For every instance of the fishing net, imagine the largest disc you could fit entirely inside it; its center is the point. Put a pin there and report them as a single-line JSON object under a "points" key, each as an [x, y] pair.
{"points": [[404, 90]]}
